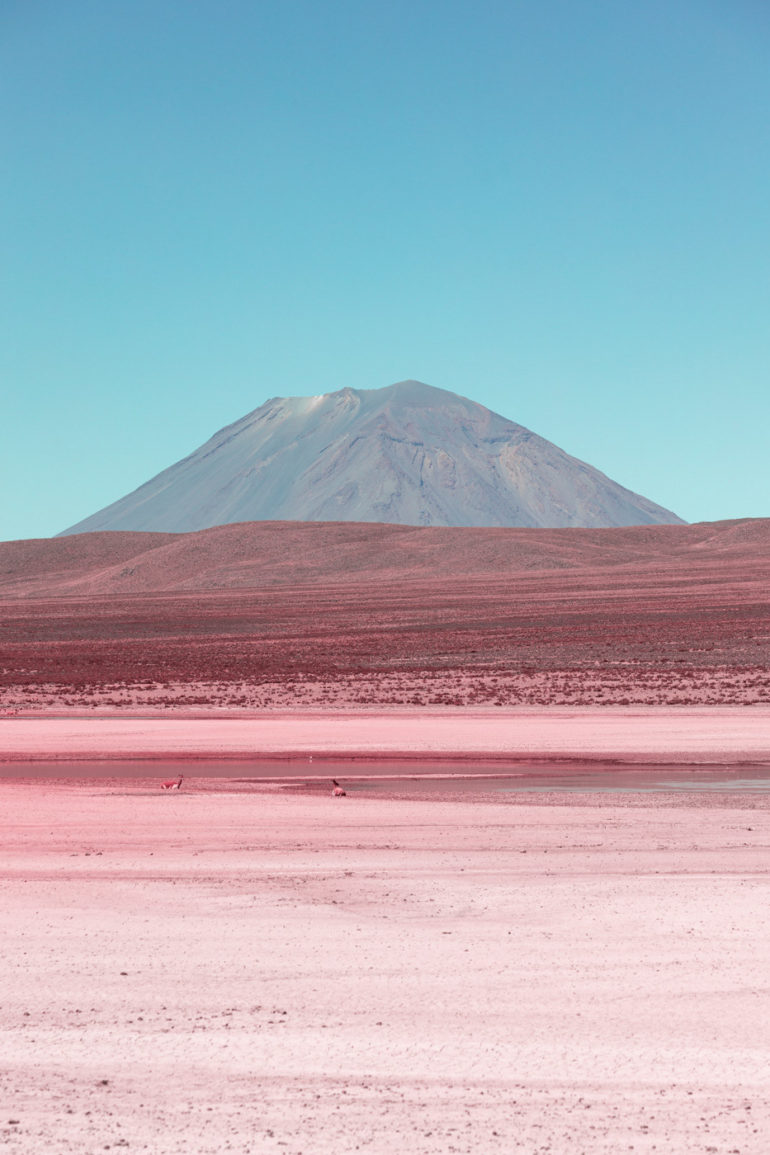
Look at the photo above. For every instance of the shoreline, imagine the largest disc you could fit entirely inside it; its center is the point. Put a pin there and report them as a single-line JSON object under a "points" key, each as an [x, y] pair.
{"points": [[559, 764]]}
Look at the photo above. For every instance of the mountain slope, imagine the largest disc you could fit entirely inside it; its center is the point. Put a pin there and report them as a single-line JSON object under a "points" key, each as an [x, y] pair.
{"points": [[407, 454], [290, 555]]}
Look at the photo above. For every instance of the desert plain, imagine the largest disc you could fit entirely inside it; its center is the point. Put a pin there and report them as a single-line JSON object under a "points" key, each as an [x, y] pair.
{"points": [[251, 969], [251, 965]]}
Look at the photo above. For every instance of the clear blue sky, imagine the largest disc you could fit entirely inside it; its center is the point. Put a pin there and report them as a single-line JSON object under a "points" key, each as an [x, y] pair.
{"points": [[559, 208]]}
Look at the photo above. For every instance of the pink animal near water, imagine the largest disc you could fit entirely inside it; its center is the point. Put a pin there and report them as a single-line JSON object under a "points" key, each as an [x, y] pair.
{"points": [[173, 783], [337, 792]]}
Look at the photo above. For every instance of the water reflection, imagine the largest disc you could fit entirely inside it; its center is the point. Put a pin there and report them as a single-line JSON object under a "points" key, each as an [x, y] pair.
{"points": [[405, 778]]}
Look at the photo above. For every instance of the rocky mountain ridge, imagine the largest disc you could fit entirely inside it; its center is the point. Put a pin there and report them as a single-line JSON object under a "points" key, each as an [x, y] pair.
{"points": [[407, 454]]}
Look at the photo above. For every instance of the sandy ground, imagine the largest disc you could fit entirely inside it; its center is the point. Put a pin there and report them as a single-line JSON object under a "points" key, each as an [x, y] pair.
{"points": [[656, 734], [259, 972]]}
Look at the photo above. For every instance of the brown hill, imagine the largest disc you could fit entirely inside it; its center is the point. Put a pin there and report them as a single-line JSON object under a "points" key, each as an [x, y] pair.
{"points": [[318, 614], [269, 554]]}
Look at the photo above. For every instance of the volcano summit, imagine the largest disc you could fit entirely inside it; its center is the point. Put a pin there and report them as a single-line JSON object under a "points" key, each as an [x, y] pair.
{"points": [[407, 454]]}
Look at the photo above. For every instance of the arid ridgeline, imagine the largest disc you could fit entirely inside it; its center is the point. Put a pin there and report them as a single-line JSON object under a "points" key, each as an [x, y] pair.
{"points": [[290, 613]]}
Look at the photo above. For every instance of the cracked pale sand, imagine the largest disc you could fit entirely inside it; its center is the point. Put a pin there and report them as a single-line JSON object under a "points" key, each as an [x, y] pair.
{"points": [[259, 972]]}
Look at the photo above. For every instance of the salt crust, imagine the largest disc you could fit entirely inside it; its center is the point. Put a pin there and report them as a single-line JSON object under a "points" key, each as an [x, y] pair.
{"points": [[657, 734]]}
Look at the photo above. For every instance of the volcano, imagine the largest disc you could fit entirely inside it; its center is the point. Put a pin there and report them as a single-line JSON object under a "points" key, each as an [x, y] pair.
{"points": [[408, 454]]}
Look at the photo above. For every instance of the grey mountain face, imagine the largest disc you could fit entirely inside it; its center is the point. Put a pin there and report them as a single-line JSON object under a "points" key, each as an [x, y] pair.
{"points": [[408, 454]]}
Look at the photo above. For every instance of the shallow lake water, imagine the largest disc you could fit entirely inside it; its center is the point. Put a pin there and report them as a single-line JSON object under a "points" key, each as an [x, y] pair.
{"points": [[375, 777]]}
